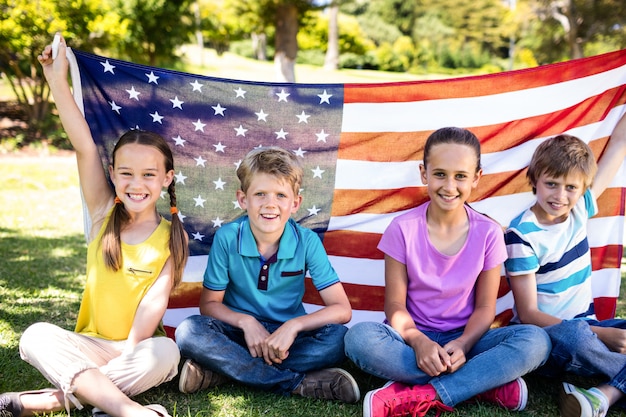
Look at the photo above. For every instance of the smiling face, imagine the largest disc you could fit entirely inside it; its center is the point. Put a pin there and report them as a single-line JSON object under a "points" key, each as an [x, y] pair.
{"points": [[270, 202], [557, 196], [139, 176], [450, 175]]}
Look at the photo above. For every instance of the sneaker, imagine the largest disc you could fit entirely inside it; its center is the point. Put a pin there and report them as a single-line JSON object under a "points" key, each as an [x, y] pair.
{"points": [[329, 384], [194, 378], [579, 402], [396, 399], [10, 404], [512, 396]]}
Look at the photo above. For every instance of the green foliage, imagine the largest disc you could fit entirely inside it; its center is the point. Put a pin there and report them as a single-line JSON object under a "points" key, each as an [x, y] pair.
{"points": [[155, 29]]}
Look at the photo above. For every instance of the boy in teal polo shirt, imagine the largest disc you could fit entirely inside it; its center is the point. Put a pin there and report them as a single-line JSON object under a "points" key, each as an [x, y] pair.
{"points": [[253, 328]]}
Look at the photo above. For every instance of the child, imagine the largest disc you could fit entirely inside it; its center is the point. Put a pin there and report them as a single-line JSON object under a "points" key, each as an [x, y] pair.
{"points": [[549, 269], [442, 272], [253, 328], [134, 258]]}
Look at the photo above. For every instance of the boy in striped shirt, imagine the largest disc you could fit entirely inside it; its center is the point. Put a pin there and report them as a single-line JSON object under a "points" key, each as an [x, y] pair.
{"points": [[549, 269]]}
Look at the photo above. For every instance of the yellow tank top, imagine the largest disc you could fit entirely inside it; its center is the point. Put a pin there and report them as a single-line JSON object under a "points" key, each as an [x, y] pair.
{"points": [[110, 298]]}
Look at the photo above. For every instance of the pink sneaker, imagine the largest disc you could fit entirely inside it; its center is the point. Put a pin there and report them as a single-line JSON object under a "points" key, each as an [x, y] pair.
{"points": [[396, 399], [512, 395]]}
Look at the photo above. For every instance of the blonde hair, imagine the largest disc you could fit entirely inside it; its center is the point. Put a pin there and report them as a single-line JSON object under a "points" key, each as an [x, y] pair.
{"points": [[271, 160], [560, 156], [111, 242]]}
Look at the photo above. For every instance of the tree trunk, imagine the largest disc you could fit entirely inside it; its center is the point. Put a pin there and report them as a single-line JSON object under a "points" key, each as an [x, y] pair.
{"points": [[259, 45], [331, 62], [286, 42]]}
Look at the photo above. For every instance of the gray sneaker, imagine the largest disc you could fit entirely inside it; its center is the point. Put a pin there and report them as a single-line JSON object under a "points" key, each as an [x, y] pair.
{"points": [[194, 378], [329, 384]]}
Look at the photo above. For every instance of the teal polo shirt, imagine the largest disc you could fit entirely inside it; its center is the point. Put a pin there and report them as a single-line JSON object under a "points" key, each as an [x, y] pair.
{"points": [[268, 289]]}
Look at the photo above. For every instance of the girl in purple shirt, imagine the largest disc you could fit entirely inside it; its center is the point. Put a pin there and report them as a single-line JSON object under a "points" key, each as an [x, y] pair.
{"points": [[443, 262]]}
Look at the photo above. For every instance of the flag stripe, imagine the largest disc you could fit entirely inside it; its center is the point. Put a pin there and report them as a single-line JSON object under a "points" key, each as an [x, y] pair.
{"points": [[511, 81]]}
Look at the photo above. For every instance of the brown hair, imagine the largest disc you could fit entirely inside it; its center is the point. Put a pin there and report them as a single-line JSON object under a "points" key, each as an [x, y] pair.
{"points": [[271, 160], [453, 135], [111, 243], [559, 156]]}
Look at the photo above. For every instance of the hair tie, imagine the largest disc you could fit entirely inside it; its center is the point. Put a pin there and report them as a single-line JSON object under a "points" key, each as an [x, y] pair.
{"points": [[117, 200], [173, 210]]}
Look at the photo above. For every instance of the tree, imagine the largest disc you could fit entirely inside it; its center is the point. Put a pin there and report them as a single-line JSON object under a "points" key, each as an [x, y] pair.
{"points": [[155, 29], [331, 62], [25, 28], [581, 22]]}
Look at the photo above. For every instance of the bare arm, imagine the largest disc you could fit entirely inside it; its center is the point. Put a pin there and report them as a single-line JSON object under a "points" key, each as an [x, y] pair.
{"points": [[152, 307], [611, 159], [97, 192], [524, 289], [336, 310], [430, 356]]}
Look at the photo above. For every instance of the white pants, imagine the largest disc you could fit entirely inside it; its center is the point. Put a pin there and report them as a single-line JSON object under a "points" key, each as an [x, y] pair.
{"points": [[61, 354]]}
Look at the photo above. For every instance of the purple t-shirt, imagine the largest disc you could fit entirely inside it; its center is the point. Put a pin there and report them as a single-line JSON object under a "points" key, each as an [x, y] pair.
{"points": [[440, 287]]}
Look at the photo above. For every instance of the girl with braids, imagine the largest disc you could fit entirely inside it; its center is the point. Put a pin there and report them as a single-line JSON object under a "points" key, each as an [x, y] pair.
{"points": [[135, 257]]}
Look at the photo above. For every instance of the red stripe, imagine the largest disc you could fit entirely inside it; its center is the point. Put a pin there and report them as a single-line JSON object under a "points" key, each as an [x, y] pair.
{"points": [[409, 146], [605, 307], [484, 84]]}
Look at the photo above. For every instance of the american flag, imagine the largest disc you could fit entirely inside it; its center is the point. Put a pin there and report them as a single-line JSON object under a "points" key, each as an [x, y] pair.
{"points": [[360, 145]]}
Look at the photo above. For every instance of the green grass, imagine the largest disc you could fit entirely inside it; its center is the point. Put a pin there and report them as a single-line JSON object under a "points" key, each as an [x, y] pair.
{"points": [[41, 277]]}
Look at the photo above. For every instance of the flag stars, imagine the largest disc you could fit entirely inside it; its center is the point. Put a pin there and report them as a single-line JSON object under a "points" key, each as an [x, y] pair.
{"points": [[217, 222], [303, 117], [240, 93], [236, 205], [281, 134], [299, 152], [133, 94], [196, 86], [241, 131], [199, 161], [176, 103], [261, 115], [219, 184], [313, 211], [321, 136], [199, 125], [317, 172], [180, 178], [198, 236], [181, 216], [282, 96], [199, 201], [152, 78], [115, 107], [218, 110], [156, 117], [178, 141], [324, 97], [219, 147], [108, 67]]}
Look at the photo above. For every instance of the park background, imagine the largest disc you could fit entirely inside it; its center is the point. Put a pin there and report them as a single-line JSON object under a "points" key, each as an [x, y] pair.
{"points": [[42, 244]]}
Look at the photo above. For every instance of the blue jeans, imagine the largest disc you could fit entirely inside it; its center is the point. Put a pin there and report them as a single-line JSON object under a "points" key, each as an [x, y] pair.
{"points": [[501, 355], [576, 349], [222, 348]]}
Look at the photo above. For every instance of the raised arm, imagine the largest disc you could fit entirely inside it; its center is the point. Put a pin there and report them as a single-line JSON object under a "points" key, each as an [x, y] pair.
{"points": [[96, 190], [611, 159]]}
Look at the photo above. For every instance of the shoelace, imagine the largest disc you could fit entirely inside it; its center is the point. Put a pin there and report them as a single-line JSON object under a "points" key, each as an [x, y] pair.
{"points": [[415, 407]]}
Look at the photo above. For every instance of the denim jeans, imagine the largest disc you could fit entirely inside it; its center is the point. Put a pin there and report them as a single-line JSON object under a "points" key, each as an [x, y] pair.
{"points": [[222, 348], [576, 349], [501, 355]]}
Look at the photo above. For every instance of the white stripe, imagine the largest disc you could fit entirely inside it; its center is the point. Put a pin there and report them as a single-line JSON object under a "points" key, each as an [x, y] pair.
{"points": [[477, 111], [194, 270], [359, 271], [357, 315], [173, 316], [371, 175], [606, 282]]}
